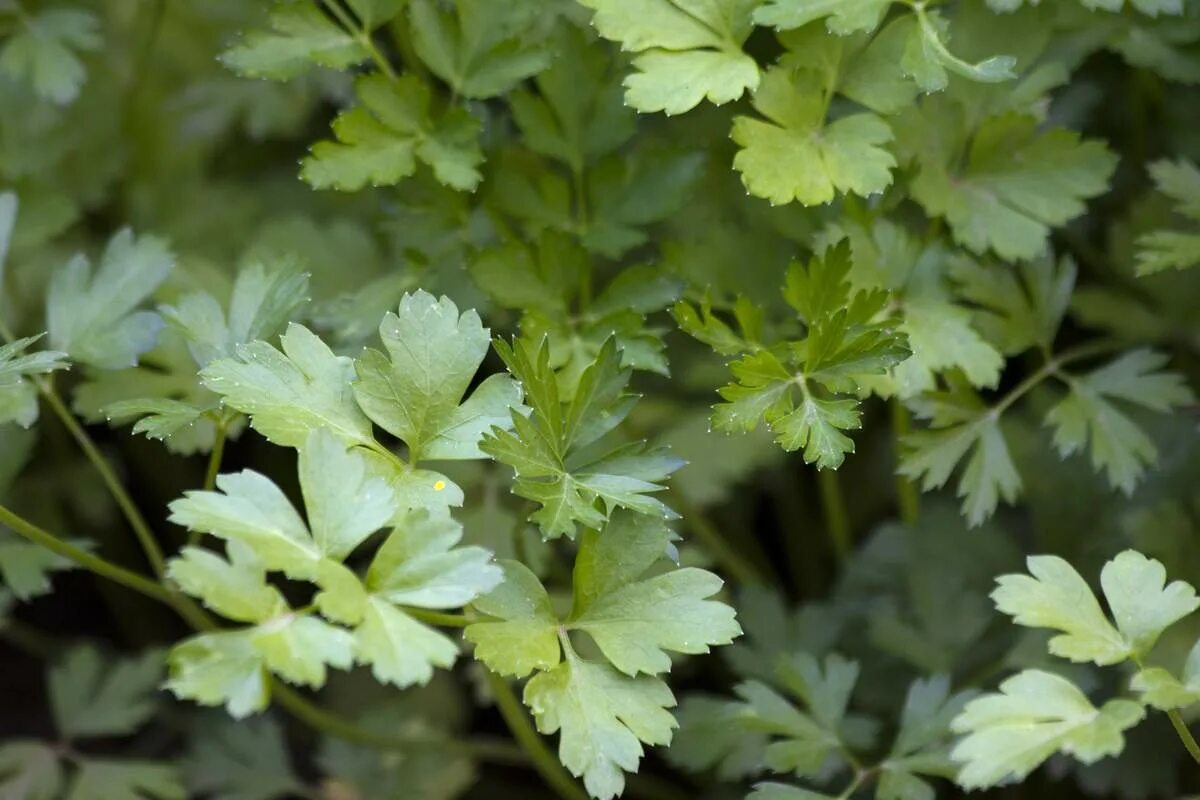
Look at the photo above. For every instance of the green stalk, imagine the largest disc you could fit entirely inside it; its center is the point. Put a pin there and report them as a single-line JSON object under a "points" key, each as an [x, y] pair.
{"points": [[1185, 735], [908, 499], [545, 762], [439, 617], [295, 703], [136, 521], [837, 520], [317, 718], [214, 458]]}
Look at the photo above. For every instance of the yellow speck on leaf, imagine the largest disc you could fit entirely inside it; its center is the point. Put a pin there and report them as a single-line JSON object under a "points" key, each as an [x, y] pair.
{"points": [[437, 487]]}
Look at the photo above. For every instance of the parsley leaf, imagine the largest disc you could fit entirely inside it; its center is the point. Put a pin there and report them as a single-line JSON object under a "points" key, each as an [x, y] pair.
{"points": [[30, 770], [380, 140], [300, 37], [1055, 596], [1173, 249], [92, 696], [91, 317], [110, 779], [1118, 445], [560, 453], [290, 393], [414, 392], [797, 155], [1015, 186], [845, 344], [479, 47], [345, 505], [18, 394], [687, 52], [44, 51], [1036, 714]]}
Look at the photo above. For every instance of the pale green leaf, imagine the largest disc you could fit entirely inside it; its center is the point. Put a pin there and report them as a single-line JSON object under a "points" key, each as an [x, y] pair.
{"points": [[602, 717], [521, 635], [289, 394], [1036, 714], [687, 52], [301, 36], [91, 316], [111, 779], [44, 51], [416, 391], [93, 696], [29, 770]]}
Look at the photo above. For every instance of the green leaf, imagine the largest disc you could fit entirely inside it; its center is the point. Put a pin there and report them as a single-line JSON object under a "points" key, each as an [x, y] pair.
{"points": [[633, 619], [961, 424], [105, 779], [802, 740], [687, 52], [345, 505], [18, 394], [291, 393], [927, 59], [1015, 186], [157, 417], [1163, 690], [380, 140], [301, 37], [842, 17], [1173, 248], [922, 744], [769, 790], [942, 338], [242, 760], [845, 345], [26, 567], [711, 736], [577, 114], [797, 155], [236, 589], [219, 669], [522, 634], [1036, 714], [45, 49], [1017, 309], [1055, 596], [419, 565], [415, 392], [559, 454], [93, 696], [602, 717], [29, 770], [1118, 446], [91, 317], [480, 48], [262, 302]]}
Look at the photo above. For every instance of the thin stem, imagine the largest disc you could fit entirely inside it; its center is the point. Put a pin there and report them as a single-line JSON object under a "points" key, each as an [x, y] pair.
{"points": [[522, 730], [101, 566], [214, 458], [1051, 367], [737, 565], [837, 520], [362, 35], [141, 530], [315, 717], [1185, 735], [908, 499], [302, 709], [439, 617]]}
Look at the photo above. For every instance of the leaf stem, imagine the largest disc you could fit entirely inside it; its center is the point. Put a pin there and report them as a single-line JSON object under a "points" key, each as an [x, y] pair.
{"points": [[1185, 735], [362, 35], [499, 752], [136, 521], [439, 617], [545, 762], [214, 458], [1051, 367], [833, 505], [101, 566], [908, 499]]}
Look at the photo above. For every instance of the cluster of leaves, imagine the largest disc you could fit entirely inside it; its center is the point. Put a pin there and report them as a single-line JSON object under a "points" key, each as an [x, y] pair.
{"points": [[842, 206]]}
